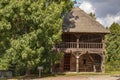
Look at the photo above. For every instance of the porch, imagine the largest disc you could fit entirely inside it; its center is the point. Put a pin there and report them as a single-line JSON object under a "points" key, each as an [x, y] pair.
{"points": [[84, 63]]}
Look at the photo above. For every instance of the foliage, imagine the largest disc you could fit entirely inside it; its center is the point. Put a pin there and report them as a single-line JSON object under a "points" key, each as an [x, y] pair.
{"points": [[29, 29], [113, 47], [92, 15], [115, 28]]}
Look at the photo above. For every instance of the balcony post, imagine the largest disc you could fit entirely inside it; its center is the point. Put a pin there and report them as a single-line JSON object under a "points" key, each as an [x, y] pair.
{"points": [[77, 42], [103, 43]]}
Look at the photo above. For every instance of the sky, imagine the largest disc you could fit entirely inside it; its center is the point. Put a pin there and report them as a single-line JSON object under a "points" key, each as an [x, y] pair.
{"points": [[106, 11]]}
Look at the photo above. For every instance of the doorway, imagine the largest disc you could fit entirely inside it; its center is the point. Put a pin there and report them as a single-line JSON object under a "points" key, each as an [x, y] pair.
{"points": [[67, 62]]}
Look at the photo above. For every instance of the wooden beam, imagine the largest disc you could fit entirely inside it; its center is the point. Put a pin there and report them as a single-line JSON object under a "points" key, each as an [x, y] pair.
{"points": [[91, 58]]}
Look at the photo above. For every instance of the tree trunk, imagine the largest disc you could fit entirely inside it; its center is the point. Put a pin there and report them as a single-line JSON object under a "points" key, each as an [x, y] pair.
{"points": [[28, 72], [26, 30]]}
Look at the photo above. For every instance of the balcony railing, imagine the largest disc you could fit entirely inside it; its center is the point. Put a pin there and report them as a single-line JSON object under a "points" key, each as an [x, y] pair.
{"points": [[79, 45]]}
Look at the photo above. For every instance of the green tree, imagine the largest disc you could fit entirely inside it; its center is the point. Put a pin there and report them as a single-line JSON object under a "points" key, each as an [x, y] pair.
{"points": [[113, 46], [115, 28], [30, 30]]}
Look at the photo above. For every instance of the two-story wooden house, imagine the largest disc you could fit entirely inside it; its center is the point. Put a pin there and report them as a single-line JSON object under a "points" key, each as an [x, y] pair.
{"points": [[82, 43]]}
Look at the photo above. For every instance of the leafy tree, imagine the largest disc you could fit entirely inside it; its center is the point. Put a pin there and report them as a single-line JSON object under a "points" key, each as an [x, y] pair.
{"points": [[30, 29], [113, 46], [115, 28]]}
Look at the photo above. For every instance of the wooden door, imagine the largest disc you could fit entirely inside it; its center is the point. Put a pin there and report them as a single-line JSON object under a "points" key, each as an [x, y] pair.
{"points": [[67, 62]]}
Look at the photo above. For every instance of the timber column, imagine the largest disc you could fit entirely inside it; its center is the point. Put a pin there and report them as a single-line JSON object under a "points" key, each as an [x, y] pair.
{"points": [[77, 56], [103, 56], [103, 63], [77, 63]]}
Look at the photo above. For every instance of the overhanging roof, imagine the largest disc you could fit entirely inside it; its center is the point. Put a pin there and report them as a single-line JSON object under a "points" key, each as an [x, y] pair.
{"points": [[79, 21]]}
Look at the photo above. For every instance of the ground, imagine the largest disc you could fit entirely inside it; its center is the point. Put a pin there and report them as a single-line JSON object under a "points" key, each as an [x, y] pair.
{"points": [[84, 77], [74, 76]]}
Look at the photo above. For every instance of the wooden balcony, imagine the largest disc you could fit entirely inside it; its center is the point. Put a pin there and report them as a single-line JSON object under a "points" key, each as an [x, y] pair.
{"points": [[74, 46]]}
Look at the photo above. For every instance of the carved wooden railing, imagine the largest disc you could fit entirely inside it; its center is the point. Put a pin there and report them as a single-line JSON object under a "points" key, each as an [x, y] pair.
{"points": [[90, 45], [67, 45], [79, 45]]}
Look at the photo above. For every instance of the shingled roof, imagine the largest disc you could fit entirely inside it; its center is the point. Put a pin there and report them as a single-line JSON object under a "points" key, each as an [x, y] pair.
{"points": [[79, 21]]}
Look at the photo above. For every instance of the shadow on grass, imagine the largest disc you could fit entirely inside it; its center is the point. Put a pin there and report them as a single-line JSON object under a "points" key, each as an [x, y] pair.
{"points": [[35, 76], [53, 75]]}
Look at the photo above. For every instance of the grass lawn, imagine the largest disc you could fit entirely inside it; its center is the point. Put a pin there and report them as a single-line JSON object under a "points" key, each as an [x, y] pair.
{"points": [[113, 72], [67, 74]]}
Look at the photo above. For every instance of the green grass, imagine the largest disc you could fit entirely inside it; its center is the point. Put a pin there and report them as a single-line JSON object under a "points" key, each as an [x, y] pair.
{"points": [[113, 72], [67, 74], [82, 74], [24, 77]]}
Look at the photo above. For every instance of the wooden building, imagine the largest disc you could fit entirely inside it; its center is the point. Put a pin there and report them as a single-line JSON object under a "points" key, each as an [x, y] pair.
{"points": [[82, 43]]}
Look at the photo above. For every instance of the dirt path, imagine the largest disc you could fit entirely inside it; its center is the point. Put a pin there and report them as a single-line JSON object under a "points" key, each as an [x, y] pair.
{"points": [[96, 77]]}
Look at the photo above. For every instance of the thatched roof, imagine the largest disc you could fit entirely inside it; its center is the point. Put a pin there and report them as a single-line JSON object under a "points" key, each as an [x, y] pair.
{"points": [[79, 21]]}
